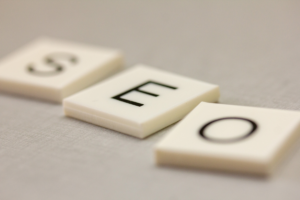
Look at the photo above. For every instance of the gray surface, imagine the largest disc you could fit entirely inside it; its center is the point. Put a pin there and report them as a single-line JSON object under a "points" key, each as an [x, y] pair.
{"points": [[251, 49]]}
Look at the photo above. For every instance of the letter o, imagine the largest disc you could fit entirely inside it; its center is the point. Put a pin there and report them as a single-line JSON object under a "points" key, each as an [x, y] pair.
{"points": [[203, 135]]}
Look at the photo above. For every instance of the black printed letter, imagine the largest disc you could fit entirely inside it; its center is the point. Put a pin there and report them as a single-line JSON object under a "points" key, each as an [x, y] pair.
{"points": [[252, 123], [53, 61], [119, 96]]}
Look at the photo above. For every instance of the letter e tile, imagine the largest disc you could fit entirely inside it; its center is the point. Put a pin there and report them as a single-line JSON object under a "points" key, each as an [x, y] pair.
{"points": [[139, 101]]}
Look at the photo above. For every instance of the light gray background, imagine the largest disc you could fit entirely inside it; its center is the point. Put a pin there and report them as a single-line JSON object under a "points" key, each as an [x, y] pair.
{"points": [[250, 48]]}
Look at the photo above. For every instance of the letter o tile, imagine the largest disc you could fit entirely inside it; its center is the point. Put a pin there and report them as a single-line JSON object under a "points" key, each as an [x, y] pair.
{"points": [[230, 138]]}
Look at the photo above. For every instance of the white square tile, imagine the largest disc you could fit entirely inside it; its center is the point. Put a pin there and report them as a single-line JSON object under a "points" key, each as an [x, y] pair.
{"points": [[230, 138], [139, 101], [52, 69]]}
